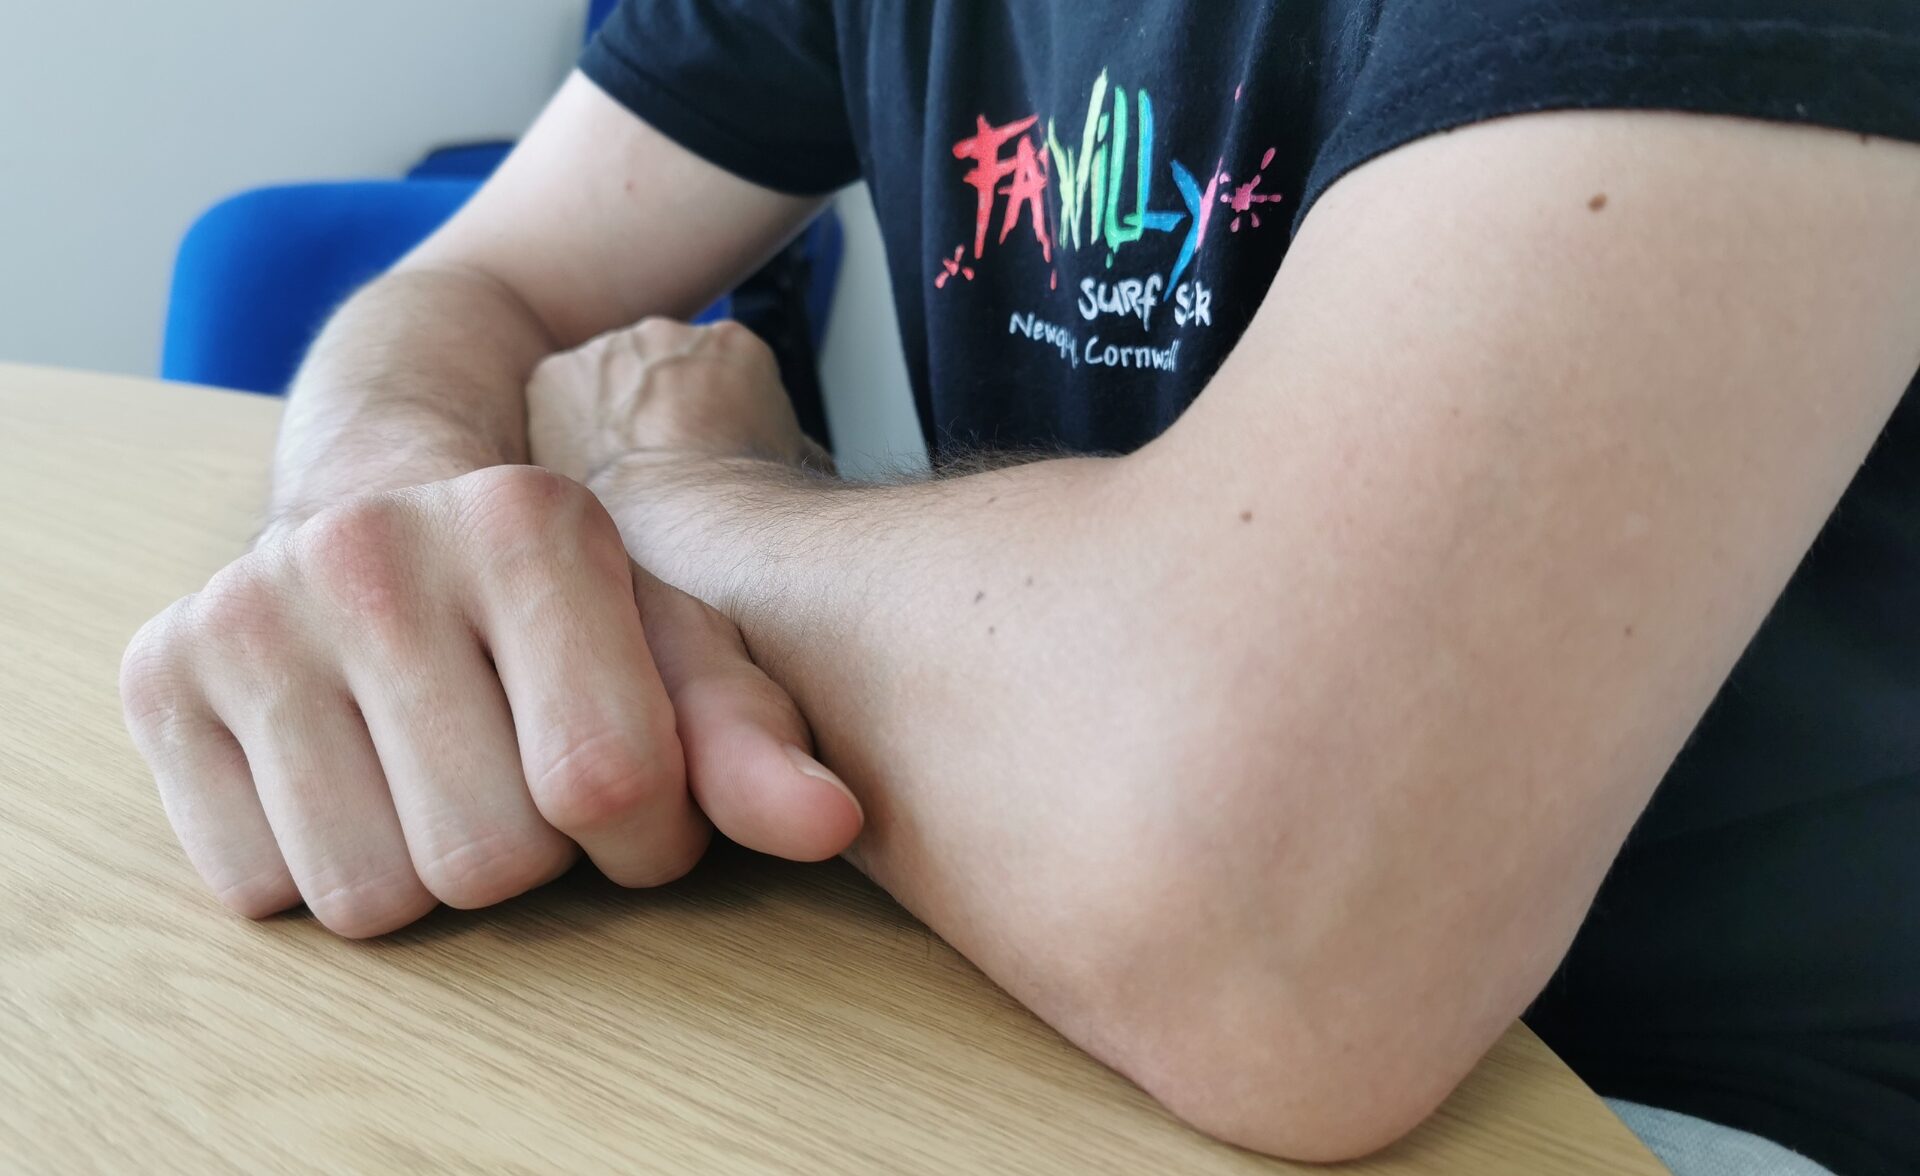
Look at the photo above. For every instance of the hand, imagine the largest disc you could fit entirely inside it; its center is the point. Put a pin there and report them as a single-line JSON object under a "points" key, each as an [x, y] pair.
{"points": [[662, 385], [442, 694]]}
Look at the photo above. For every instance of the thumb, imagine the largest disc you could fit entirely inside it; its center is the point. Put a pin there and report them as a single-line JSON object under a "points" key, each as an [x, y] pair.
{"points": [[747, 748]]}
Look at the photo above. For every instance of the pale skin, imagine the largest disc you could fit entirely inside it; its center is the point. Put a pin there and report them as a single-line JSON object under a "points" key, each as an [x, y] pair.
{"points": [[1275, 764]]}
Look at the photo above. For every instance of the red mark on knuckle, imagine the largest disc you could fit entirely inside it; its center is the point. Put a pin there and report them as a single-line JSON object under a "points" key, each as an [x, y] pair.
{"points": [[357, 556], [525, 518], [517, 503]]}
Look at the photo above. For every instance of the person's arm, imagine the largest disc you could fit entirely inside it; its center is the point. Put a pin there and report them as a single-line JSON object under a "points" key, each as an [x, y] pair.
{"points": [[1277, 763], [437, 678], [594, 221]]}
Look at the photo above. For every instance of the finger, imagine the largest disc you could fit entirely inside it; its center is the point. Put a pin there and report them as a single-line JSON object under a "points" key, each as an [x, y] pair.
{"points": [[322, 790], [745, 741], [446, 744], [208, 793], [595, 728]]}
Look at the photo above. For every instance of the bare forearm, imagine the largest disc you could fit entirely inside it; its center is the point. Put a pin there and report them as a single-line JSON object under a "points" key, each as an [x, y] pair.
{"points": [[418, 378], [929, 572], [940, 640]]}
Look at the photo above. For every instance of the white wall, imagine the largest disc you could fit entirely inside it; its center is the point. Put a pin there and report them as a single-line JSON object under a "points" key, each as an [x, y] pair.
{"points": [[862, 369], [122, 120]]}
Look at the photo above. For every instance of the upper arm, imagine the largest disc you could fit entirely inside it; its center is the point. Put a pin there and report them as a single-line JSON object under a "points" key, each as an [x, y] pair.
{"points": [[1533, 427], [597, 220]]}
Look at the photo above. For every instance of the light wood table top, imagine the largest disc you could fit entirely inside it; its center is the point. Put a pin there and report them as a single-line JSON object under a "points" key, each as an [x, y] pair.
{"points": [[756, 1017]]}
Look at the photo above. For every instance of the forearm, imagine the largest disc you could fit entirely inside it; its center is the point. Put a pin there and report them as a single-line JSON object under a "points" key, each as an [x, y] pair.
{"points": [[419, 377], [969, 655], [1150, 758], [845, 587]]}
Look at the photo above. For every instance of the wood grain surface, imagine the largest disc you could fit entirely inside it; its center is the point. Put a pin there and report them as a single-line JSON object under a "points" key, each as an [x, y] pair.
{"points": [[757, 1017]]}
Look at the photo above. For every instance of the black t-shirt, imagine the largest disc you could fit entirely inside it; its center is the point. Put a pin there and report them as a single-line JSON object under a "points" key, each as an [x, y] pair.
{"points": [[1084, 202]]}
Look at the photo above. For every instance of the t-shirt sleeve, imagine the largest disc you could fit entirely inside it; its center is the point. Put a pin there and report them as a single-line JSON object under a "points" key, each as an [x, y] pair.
{"points": [[1431, 65], [752, 86]]}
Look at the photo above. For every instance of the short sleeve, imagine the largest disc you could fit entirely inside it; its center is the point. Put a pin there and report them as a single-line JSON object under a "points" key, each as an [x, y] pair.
{"points": [[752, 86], [1431, 65]]}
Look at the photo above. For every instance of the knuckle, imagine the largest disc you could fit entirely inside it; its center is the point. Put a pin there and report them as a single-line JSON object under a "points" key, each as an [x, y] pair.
{"points": [[559, 379], [659, 333], [732, 333], [518, 506], [600, 781], [356, 554], [260, 896], [240, 612], [532, 525], [600, 545], [492, 869], [556, 368], [665, 871], [151, 684], [736, 336], [365, 907]]}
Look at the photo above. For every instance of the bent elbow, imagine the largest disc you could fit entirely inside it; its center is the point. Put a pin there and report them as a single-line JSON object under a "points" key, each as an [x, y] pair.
{"points": [[1278, 1094]]}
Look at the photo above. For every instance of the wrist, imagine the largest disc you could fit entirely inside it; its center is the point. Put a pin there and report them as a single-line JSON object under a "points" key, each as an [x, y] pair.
{"points": [[698, 521], [325, 459]]}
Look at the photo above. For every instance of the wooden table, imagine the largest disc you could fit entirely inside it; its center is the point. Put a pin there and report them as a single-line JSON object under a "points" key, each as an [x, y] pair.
{"points": [[757, 1016]]}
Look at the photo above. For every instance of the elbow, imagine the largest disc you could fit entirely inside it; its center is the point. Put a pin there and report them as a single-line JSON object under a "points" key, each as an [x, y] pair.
{"points": [[1262, 1040], [1269, 1094], [1266, 957]]}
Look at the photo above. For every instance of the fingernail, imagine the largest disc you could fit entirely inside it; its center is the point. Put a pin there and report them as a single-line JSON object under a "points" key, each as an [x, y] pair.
{"points": [[806, 765]]}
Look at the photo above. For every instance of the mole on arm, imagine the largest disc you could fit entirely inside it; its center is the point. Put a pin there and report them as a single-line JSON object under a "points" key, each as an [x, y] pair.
{"points": [[1598, 202], [1246, 516], [980, 596]]}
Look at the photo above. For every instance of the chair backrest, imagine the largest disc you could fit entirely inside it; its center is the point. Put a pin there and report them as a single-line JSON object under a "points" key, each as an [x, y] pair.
{"points": [[258, 274]]}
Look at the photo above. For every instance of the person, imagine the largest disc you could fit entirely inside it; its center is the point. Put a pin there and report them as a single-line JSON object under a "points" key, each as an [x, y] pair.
{"points": [[1455, 459]]}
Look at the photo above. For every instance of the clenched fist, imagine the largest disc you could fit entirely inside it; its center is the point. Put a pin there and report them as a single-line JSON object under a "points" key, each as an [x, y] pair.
{"points": [[443, 694]]}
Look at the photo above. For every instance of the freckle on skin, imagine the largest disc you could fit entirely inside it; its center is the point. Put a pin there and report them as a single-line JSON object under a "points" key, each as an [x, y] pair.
{"points": [[1629, 630], [980, 596], [990, 630], [1029, 581], [1246, 516], [1598, 202]]}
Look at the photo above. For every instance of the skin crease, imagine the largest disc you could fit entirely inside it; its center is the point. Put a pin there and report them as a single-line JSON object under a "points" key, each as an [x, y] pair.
{"points": [[1297, 761]]}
